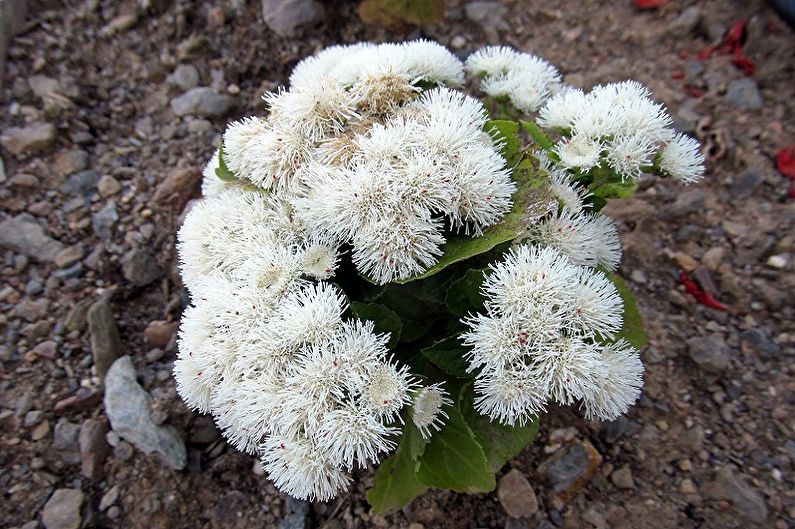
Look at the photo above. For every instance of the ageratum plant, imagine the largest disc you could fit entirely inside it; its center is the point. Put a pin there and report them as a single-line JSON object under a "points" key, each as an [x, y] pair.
{"points": [[388, 270]]}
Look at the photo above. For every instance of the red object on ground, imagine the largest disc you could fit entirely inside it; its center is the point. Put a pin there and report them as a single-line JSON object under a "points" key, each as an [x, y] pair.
{"points": [[679, 74], [732, 43], [697, 292], [791, 192], [642, 5], [692, 91], [785, 161]]}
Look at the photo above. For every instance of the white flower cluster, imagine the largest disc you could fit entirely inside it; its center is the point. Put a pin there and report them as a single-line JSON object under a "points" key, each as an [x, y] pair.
{"points": [[523, 79], [364, 156], [540, 340], [265, 349], [619, 126]]}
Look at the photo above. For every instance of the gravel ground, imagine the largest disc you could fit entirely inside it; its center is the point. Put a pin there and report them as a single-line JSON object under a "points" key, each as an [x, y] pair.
{"points": [[110, 109]]}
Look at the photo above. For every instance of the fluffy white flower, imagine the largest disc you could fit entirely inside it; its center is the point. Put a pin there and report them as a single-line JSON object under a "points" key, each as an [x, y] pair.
{"points": [[682, 159], [491, 60], [618, 385], [538, 339], [569, 195], [579, 152], [386, 391], [427, 409], [354, 437], [300, 469], [606, 241], [315, 110], [319, 259], [562, 109], [433, 62], [629, 155]]}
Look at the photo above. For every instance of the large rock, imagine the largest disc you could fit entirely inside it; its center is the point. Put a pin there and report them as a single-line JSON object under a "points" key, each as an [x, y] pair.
{"points": [[103, 221], [286, 16], [568, 469], [177, 188], [709, 353], [297, 514], [202, 101], [106, 345], [127, 406], [746, 500], [62, 510], [94, 448], [516, 495], [24, 235], [27, 140], [140, 268]]}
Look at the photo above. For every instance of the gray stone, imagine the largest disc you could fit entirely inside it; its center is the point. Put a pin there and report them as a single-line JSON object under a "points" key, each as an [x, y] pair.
{"points": [[709, 353], [140, 268], [744, 93], [24, 235], [94, 448], [516, 495], [685, 23], [202, 101], [758, 341], [571, 467], [185, 76], [82, 183], [107, 186], [285, 16], [687, 202], [104, 220], [62, 510], [614, 430], [747, 182], [622, 478], [69, 256], [69, 162], [106, 345], [489, 15], [747, 501], [27, 140], [127, 406], [65, 436], [297, 514]]}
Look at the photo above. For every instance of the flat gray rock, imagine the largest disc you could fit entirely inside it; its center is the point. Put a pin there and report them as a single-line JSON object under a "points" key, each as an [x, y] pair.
{"points": [[127, 406], [62, 510], [202, 101], [24, 235]]}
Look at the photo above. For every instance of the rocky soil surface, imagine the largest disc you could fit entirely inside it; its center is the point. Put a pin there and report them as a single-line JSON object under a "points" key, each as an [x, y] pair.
{"points": [[110, 109]]}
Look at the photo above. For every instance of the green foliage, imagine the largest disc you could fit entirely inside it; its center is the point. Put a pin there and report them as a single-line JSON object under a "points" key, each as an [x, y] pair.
{"points": [[453, 459], [632, 329], [396, 482], [464, 295], [385, 320], [538, 135], [500, 442], [616, 190], [448, 355], [506, 133], [222, 171]]}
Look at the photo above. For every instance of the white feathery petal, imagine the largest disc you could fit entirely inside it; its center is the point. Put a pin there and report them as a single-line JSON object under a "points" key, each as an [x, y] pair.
{"points": [[579, 152], [427, 409], [319, 258], [596, 307], [314, 111], [300, 469], [618, 384], [512, 397], [354, 437], [433, 62], [562, 109], [629, 155], [491, 60], [572, 234], [606, 241], [682, 159], [568, 368], [386, 390]]}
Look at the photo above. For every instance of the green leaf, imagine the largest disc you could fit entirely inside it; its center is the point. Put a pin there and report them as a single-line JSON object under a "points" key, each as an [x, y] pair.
{"points": [[632, 329], [506, 133], [615, 190], [500, 442], [531, 201], [454, 460], [385, 319], [448, 354], [222, 171], [464, 295], [538, 135], [395, 483]]}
